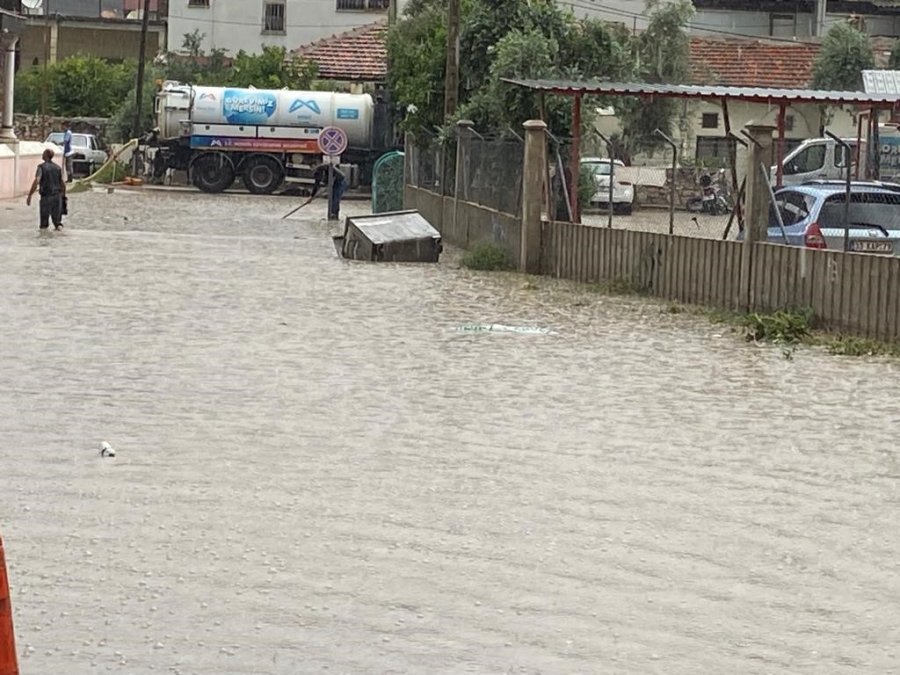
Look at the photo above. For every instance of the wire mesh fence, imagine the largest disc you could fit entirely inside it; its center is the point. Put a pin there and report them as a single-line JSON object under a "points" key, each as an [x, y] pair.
{"points": [[432, 163], [491, 173], [636, 191], [627, 192]]}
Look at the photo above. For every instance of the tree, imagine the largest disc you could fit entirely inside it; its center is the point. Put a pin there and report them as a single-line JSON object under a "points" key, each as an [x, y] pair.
{"points": [[79, 86], [498, 39], [894, 61], [417, 54], [663, 57], [845, 53]]}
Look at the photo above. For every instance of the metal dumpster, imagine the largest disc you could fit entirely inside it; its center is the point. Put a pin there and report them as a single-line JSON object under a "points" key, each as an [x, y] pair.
{"points": [[399, 236]]}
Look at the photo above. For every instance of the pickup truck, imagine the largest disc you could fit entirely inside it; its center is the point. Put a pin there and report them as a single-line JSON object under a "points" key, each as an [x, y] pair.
{"points": [[87, 157]]}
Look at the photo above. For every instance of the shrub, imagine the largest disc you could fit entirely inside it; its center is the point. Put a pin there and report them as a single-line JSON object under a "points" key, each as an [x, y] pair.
{"points": [[782, 327], [486, 257]]}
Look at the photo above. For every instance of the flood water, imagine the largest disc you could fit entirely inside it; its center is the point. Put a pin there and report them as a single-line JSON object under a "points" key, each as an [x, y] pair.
{"points": [[317, 471]]}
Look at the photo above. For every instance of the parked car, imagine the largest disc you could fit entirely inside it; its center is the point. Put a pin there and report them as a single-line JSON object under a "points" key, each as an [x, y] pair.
{"points": [[88, 155], [623, 190], [814, 215]]}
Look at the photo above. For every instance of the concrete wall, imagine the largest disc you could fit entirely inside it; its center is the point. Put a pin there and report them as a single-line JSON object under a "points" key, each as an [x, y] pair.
{"points": [[465, 224], [237, 24], [18, 162]]}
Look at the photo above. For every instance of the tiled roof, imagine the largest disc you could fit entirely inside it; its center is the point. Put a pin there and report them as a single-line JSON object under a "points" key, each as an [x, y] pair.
{"points": [[752, 63], [358, 55]]}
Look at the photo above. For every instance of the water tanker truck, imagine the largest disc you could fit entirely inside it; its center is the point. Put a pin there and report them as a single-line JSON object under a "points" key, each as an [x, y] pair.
{"points": [[264, 137]]}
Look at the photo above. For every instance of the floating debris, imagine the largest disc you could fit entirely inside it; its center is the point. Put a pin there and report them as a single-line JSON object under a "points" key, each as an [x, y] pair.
{"points": [[501, 328], [106, 450]]}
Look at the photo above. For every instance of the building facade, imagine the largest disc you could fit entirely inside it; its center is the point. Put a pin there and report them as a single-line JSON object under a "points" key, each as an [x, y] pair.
{"points": [[756, 18], [234, 25]]}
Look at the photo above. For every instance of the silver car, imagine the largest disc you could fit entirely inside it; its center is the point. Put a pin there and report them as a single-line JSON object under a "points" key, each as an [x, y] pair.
{"points": [[87, 155], [815, 215]]}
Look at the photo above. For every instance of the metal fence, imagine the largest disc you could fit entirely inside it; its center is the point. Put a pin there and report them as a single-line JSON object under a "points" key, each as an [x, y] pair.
{"points": [[644, 184], [431, 164], [491, 172]]}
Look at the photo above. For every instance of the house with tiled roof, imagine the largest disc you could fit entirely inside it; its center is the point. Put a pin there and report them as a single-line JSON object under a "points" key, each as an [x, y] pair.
{"points": [[357, 56]]}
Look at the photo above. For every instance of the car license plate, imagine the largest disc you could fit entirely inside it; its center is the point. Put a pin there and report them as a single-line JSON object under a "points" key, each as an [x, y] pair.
{"points": [[867, 246]]}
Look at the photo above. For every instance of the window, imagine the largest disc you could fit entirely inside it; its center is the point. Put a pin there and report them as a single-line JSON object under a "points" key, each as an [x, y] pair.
{"points": [[710, 121], [713, 150], [273, 17], [840, 155], [788, 122], [795, 207], [198, 3], [809, 160], [362, 5]]}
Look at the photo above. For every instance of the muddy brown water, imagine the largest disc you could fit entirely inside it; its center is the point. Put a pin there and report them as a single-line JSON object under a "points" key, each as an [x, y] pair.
{"points": [[317, 471]]}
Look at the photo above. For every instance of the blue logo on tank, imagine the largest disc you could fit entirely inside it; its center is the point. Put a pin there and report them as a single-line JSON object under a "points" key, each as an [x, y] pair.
{"points": [[248, 107], [347, 114], [299, 104]]}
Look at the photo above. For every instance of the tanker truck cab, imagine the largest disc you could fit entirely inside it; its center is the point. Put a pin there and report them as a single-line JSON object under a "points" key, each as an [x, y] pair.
{"points": [[817, 159]]}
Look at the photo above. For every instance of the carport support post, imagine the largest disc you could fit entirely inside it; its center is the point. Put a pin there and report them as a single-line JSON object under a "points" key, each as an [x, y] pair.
{"points": [[533, 169], [575, 159], [757, 200], [779, 155]]}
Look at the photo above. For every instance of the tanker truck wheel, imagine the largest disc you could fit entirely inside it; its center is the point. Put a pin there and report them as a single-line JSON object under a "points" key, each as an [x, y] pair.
{"points": [[213, 172], [262, 174]]}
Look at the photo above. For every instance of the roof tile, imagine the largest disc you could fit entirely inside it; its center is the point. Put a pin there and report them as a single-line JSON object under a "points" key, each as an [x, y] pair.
{"points": [[752, 63], [357, 55]]}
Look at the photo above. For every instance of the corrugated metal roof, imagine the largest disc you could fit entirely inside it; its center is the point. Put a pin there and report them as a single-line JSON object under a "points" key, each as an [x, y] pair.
{"points": [[752, 94]]}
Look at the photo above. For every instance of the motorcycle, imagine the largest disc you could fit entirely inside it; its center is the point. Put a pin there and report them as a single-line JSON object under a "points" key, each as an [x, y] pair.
{"points": [[713, 199]]}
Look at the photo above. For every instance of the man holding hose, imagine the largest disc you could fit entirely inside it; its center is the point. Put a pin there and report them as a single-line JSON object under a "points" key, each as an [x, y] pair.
{"points": [[338, 187]]}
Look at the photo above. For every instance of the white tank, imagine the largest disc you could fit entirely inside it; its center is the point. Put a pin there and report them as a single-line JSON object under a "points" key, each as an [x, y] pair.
{"points": [[286, 108]]}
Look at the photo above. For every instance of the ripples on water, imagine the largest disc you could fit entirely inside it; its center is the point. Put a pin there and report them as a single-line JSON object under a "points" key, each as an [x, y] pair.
{"points": [[317, 470]]}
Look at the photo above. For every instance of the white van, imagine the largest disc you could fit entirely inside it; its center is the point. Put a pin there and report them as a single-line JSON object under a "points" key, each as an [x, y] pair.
{"points": [[824, 159]]}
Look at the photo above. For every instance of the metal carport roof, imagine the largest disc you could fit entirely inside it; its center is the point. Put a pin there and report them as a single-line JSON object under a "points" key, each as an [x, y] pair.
{"points": [[750, 94]]}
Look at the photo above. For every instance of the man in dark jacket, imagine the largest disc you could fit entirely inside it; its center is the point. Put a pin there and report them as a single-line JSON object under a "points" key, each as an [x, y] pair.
{"points": [[338, 187], [49, 180]]}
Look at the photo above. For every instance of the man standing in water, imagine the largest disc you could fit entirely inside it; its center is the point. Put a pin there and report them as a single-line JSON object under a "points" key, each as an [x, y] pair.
{"points": [[49, 180], [338, 187]]}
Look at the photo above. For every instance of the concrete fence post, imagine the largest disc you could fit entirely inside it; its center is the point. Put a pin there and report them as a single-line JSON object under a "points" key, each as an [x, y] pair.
{"points": [[757, 201], [534, 166], [460, 187]]}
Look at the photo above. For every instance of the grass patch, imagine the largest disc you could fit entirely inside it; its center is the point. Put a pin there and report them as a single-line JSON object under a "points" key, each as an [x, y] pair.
{"points": [[781, 327], [486, 257], [616, 287], [853, 346], [111, 173]]}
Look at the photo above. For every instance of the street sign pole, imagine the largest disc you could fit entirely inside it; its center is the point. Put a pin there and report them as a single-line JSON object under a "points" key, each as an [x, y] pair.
{"points": [[332, 143]]}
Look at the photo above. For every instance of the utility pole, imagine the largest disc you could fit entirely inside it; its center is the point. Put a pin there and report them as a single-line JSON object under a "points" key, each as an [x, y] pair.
{"points": [[142, 58], [451, 75]]}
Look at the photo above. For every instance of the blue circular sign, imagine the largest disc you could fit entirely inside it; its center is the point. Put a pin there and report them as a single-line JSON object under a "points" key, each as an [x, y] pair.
{"points": [[332, 141]]}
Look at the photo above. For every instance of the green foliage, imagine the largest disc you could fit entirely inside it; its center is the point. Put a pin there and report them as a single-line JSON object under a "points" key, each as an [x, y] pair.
{"points": [[486, 257], [79, 86], [586, 186], [270, 69], [663, 57], [845, 53], [121, 123], [781, 327], [854, 346], [416, 53]]}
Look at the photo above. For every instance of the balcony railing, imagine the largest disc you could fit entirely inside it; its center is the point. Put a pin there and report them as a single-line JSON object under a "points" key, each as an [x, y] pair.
{"points": [[95, 9], [362, 5]]}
